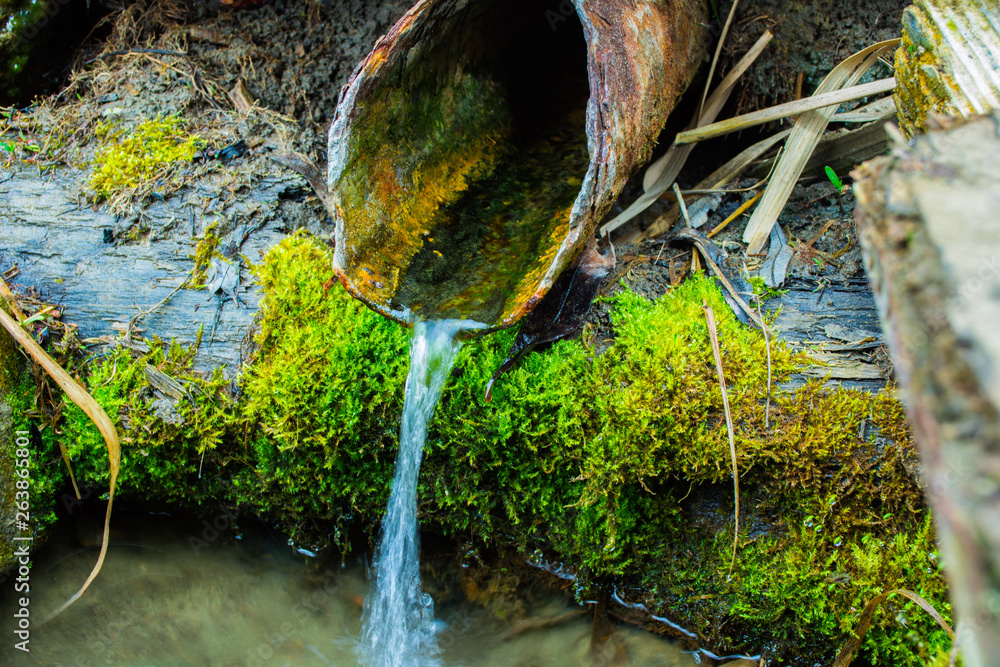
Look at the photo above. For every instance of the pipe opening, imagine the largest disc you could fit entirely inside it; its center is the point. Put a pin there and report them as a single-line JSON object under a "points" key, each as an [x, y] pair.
{"points": [[463, 160]]}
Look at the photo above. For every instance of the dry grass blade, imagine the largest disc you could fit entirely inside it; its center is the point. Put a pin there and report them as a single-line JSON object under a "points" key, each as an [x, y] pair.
{"points": [[78, 395], [780, 111], [876, 110], [715, 57], [735, 214], [662, 173], [719, 178], [710, 318], [850, 648], [802, 141], [658, 174]]}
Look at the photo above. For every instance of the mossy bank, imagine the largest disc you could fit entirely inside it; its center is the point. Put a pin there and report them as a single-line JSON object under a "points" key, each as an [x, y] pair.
{"points": [[615, 466]]}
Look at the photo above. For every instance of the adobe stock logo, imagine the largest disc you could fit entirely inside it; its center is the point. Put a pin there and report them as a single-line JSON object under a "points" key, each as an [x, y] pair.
{"points": [[562, 13]]}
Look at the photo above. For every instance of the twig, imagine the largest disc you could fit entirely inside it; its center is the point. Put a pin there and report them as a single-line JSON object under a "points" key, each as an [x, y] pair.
{"points": [[767, 346], [126, 52], [680, 202], [142, 313], [735, 214], [710, 317]]}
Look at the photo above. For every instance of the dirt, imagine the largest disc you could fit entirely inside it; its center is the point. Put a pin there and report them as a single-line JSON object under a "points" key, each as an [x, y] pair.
{"points": [[810, 37], [167, 57], [292, 56]]}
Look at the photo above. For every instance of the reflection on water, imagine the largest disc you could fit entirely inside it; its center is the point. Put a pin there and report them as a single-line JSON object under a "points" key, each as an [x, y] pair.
{"points": [[177, 592]]}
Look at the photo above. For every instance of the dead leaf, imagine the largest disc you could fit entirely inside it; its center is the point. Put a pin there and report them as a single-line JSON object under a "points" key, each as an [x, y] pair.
{"points": [[563, 308]]}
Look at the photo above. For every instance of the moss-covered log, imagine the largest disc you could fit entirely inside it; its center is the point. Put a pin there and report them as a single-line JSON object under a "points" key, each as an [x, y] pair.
{"points": [[613, 466], [948, 62]]}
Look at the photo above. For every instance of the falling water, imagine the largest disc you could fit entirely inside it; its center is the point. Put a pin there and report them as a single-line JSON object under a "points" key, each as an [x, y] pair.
{"points": [[397, 628]]}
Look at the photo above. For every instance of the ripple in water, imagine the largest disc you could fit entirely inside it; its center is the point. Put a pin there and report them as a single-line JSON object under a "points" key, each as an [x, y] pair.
{"points": [[398, 621]]}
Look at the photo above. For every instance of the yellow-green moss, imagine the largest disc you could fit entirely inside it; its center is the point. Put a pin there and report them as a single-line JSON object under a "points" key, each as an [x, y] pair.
{"points": [[168, 445], [205, 251], [616, 465], [133, 157]]}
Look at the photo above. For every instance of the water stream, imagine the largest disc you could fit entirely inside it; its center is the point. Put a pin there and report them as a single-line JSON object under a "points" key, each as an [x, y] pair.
{"points": [[182, 592], [398, 621]]}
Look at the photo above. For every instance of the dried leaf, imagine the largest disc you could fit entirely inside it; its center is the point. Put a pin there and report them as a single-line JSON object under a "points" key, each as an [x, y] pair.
{"points": [[801, 142], [563, 308], [721, 177], [222, 274], [820, 101], [241, 97], [778, 256], [78, 395], [661, 174]]}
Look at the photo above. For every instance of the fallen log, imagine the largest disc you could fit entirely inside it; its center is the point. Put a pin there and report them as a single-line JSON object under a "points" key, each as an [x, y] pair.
{"points": [[75, 257]]}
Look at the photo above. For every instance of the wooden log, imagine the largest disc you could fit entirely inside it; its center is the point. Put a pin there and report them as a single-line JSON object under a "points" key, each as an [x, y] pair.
{"points": [[836, 325], [62, 249], [927, 221], [948, 61]]}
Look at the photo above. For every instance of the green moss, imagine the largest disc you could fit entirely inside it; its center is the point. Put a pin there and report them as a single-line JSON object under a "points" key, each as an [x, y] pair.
{"points": [[46, 473], [324, 395], [761, 289], [140, 155], [169, 453], [616, 466], [205, 251]]}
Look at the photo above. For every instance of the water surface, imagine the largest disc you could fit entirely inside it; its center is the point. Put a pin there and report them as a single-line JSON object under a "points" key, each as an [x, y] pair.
{"points": [[169, 596]]}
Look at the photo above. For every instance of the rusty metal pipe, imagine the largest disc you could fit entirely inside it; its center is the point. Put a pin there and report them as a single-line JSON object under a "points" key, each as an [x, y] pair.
{"points": [[475, 149]]}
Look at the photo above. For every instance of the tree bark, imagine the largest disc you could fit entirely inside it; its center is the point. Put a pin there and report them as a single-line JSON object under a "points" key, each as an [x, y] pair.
{"points": [[927, 221], [74, 256]]}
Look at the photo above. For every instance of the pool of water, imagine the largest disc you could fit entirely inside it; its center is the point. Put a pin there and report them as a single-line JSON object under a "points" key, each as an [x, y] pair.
{"points": [[175, 592]]}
